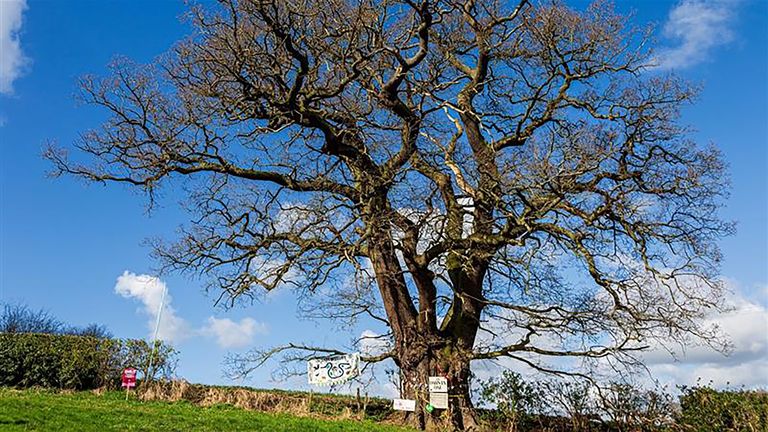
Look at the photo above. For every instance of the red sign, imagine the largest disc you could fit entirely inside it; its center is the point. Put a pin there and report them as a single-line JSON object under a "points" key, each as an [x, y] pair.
{"points": [[129, 377]]}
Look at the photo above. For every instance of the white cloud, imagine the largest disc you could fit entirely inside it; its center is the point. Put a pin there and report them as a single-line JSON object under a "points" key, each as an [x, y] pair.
{"points": [[745, 324], [149, 291], [371, 343], [231, 334], [697, 26], [385, 389], [12, 59], [747, 364]]}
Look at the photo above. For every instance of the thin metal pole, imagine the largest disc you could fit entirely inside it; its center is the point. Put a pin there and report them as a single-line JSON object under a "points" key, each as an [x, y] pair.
{"points": [[157, 328]]}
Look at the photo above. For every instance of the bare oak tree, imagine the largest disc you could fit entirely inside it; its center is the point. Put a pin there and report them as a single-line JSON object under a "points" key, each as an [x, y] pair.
{"points": [[506, 166]]}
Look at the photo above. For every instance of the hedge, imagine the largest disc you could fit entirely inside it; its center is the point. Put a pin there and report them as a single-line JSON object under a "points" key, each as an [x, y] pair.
{"points": [[76, 362], [578, 406], [704, 409]]}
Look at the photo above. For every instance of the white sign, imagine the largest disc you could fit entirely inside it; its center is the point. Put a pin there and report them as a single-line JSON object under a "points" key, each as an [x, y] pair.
{"points": [[438, 400], [404, 405], [333, 370], [438, 384]]}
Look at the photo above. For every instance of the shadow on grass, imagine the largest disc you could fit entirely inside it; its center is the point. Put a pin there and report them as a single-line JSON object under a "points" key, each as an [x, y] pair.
{"points": [[17, 422]]}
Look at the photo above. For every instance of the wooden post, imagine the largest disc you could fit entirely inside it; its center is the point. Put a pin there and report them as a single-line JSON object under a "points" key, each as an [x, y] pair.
{"points": [[357, 401]]}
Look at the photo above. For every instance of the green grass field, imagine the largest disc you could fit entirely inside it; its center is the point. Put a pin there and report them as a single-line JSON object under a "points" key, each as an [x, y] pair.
{"points": [[40, 410]]}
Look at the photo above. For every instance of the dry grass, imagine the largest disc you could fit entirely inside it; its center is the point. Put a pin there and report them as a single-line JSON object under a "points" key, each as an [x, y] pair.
{"points": [[300, 404]]}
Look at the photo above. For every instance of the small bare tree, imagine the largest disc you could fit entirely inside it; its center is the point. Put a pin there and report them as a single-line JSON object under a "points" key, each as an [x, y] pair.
{"points": [[19, 318], [473, 164]]}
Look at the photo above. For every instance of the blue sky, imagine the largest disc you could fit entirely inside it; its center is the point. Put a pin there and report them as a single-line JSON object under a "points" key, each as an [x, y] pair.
{"points": [[64, 243]]}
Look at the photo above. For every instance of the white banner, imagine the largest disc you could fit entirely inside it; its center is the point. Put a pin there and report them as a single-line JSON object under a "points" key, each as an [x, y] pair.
{"points": [[333, 370], [404, 405]]}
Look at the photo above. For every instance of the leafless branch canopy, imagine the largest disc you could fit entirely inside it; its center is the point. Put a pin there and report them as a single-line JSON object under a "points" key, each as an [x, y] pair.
{"points": [[445, 167]]}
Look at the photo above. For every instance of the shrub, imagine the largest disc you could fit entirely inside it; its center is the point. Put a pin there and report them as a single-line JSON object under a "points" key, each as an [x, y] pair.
{"points": [[704, 409], [627, 408], [565, 405], [572, 398], [515, 399], [18, 318], [76, 362]]}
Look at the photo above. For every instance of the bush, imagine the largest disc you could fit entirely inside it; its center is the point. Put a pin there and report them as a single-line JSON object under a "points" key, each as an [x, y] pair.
{"points": [[704, 409], [19, 318], [627, 408], [515, 399], [572, 398], [564, 405], [76, 362]]}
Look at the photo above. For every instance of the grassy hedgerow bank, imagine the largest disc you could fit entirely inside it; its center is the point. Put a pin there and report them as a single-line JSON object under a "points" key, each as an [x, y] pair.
{"points": [[41, 410]]}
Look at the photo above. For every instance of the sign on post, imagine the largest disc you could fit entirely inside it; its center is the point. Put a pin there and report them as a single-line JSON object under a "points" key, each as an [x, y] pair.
{"points": [[438, 393], [334, 370], [129, 377], [438, 384], [404, 405], [129, 380], [438, 400]]}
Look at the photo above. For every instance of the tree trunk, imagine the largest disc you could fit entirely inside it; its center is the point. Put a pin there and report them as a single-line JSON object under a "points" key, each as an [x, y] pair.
{"points": [[421, 350], [417, 364]]}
